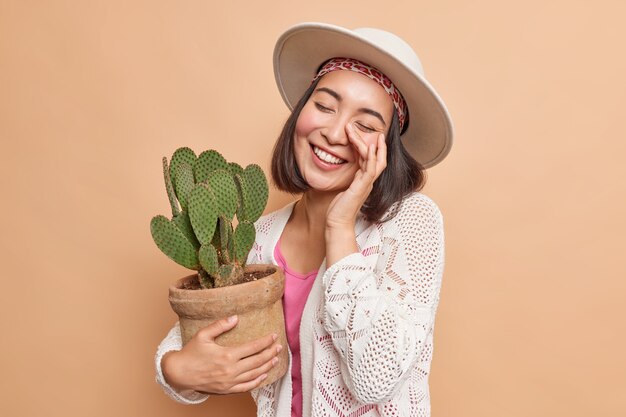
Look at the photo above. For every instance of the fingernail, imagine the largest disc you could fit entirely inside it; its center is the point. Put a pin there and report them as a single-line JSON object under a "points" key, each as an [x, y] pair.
{"points": [[263, 377], [232, 319], [274, 336], [279, 348], [274, 361]]}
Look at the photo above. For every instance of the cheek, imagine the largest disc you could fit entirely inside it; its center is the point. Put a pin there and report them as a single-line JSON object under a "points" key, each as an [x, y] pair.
{"points": [[307, 122]]}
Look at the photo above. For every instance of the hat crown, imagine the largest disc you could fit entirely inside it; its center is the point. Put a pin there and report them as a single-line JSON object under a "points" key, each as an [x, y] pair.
{"points": [[394, 46]]}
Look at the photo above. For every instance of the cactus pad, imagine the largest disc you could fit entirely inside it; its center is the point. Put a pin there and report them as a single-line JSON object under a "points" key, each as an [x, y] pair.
{"points": [[182, 221], [207, 162], [254, 191], [208, 259], [243, 239], [237, 171], [173, 242], [235, 168], [203, 212], [223, 186], [226, 237], [169, 188], [183, 183], [181, 156]]}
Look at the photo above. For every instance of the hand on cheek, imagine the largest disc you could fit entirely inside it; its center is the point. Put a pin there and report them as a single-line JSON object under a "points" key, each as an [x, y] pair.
{"points": [[372, 154], [372, 161]]}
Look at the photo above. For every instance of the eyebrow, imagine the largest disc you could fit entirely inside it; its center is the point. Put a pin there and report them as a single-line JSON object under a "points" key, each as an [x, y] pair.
{"points": [[362, 109]]}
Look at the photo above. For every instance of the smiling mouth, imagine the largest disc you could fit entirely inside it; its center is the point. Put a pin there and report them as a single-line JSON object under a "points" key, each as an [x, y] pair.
{"points": [[326, 157]]}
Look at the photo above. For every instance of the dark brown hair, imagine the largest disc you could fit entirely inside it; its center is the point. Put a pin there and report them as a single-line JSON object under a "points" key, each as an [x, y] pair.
{"points": [[402, 175]]}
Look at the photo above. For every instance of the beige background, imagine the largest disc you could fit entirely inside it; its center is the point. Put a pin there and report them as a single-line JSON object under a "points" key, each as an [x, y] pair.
{"points": [[94, 93]]}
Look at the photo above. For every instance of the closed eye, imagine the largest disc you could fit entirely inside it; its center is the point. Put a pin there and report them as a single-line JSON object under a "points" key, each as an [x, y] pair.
{"points": [[323, 108], [365, 128]]}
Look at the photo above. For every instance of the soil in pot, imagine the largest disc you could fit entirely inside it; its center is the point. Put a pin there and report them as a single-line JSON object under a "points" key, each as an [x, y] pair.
{"points": [[194, 284]]}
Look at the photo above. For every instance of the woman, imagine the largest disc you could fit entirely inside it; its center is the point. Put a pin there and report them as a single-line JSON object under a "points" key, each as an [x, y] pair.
{"points": [[362, 249]]}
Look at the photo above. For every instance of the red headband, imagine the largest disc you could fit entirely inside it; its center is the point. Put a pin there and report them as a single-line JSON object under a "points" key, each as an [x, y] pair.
{"points": [[372, 73]]}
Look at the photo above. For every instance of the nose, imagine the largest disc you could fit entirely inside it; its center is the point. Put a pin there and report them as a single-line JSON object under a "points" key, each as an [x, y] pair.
{"points": [[336, 133]]}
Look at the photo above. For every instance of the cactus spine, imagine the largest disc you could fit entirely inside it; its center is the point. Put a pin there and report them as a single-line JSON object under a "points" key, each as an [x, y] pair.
{"points": [[205, 194]]}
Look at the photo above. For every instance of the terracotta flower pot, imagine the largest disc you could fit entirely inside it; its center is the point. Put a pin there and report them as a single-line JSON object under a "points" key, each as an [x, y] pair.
{"points": [[258, 304]]}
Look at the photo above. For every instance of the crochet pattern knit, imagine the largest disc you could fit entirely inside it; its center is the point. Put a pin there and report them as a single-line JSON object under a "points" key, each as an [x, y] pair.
{"points": [[366, 335]]}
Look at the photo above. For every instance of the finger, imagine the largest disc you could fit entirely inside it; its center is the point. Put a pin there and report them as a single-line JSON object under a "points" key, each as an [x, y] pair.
{"points": [[254, 347], [254, 361], [357, 141], [370, 167], [361, 147], [247, 386], [381, 154], [252, 374], [216, 328]]}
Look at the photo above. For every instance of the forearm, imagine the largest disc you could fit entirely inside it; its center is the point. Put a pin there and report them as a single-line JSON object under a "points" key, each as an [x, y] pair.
{"points": [[169, 375], [170, 345]]}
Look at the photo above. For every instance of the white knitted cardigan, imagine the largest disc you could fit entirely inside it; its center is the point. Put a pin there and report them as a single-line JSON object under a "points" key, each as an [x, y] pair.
{"points": [[366, 333]]}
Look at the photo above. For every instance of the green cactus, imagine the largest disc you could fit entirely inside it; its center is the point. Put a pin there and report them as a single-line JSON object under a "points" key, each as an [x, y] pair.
{"points": [[254, 192], [207, 162], [205, 195]]}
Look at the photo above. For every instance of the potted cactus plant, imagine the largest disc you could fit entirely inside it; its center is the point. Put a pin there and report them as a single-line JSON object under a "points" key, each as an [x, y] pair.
{"points": [[206, 193]]}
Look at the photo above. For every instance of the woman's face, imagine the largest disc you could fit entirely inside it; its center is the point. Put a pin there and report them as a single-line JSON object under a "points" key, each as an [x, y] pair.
{"points": [[326, 158]]}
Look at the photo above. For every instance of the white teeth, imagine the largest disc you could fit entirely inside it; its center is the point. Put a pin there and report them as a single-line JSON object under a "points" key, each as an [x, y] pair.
{"points": [[326, 157]]}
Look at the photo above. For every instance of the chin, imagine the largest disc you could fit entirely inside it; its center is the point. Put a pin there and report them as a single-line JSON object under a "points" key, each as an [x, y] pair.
{"points": [[325, 187]]}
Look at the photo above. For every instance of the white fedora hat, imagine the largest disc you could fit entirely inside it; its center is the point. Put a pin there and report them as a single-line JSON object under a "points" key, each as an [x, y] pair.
{"points": [[301, 50]]}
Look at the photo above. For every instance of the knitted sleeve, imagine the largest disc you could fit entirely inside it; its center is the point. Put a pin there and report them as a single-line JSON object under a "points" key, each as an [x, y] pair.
{"points": [[173, 341], [380, 303]]}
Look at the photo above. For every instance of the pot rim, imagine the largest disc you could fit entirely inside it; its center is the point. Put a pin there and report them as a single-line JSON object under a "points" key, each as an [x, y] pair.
{"points": [[270, 283]]}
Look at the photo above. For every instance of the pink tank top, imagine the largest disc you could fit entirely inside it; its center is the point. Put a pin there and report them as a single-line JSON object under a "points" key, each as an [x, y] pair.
{"points": [[297, 289]]}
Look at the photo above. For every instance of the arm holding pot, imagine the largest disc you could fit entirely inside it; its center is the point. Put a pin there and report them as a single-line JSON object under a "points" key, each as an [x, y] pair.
{"points": [[188, 374]]}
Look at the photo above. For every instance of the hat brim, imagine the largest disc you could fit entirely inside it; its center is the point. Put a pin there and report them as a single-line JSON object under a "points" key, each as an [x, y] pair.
{"points": [[303, 48]]}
